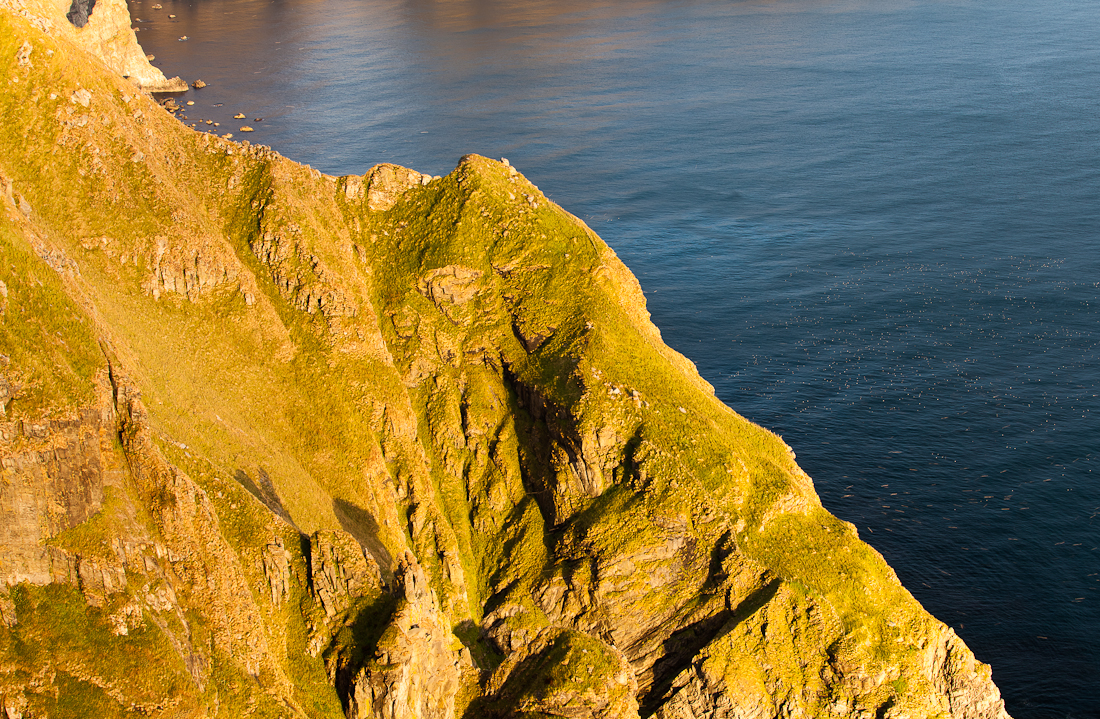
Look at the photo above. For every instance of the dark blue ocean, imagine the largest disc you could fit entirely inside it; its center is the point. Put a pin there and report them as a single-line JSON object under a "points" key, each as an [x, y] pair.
{"points": [[875, 227]]}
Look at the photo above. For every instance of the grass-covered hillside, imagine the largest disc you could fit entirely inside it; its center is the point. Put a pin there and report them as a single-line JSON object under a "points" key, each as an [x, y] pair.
{"points": [[281, 444]]}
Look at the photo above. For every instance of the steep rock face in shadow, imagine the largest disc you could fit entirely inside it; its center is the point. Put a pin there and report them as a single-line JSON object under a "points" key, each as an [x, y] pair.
{"points": [[542, 679], [283, 444]]}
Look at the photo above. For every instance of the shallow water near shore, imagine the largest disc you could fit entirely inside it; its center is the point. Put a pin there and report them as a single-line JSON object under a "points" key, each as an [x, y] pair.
{"points": [[875, 227]]}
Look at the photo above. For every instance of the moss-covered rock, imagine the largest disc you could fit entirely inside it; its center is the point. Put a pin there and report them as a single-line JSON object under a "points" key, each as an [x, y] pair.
{"points": [[387, 445]]}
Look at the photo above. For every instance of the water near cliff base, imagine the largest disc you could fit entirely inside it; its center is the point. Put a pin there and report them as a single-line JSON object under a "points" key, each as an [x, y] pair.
{"points": [[875, 226]]}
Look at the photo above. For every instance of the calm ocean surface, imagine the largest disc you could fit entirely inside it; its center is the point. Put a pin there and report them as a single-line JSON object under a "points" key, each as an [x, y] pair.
{"points": [[875, 227]]}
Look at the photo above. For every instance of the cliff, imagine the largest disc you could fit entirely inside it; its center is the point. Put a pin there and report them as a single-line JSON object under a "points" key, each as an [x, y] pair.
{"points": [[275, 443], [101, 28]]}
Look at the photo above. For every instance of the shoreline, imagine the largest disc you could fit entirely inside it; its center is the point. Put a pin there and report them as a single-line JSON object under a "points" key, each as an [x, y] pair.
{"points": [[317, 297]]}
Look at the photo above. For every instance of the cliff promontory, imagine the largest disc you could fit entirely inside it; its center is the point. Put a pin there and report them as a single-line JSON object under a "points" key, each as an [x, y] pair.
{"points": [[279, 444]]}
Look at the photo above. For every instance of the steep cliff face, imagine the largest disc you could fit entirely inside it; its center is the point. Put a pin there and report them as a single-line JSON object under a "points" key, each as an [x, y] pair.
{"points": [[282, 444], [100, 27]]}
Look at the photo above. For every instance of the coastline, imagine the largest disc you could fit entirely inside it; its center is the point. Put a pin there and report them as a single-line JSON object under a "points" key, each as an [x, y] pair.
{"points": [[302, 289]]}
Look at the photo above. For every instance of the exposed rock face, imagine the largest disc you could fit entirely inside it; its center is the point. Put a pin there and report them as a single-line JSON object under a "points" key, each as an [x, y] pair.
{"points": [[99, 27], [341, 571], [234, 389], [79, 12], [384, 185], [54, 478], [276, 561], [563, 673], [417, 668], [962, 679]]}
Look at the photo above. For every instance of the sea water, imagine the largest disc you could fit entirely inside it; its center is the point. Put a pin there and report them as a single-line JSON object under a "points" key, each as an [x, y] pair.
{"points": [[874, 225]]}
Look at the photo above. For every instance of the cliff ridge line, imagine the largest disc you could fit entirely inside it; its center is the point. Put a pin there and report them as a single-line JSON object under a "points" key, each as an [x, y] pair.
{"points": [[285, 444]]}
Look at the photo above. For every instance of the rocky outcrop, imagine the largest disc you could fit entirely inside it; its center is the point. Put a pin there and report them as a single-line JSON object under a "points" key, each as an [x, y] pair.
{"points": [[101, 28], [79, 12], [383, 185], [276, 561], [563, 673], [961, 678], [53, 481], [419, 665], [341, 572], [192, 269]]}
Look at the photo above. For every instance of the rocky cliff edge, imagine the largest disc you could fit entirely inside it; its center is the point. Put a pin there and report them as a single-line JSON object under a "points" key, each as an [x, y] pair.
{"points": [[275, 443], [103, 29]]}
